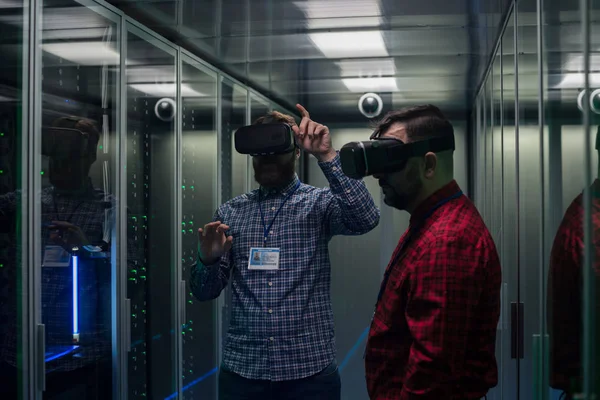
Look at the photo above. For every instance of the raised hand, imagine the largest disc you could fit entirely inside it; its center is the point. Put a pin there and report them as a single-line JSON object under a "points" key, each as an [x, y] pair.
{"points": [[213, 243], [313, 137]]}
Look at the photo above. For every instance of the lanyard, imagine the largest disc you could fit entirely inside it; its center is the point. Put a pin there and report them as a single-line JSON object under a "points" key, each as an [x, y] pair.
{"points": [[411, 232], [262, 216]]}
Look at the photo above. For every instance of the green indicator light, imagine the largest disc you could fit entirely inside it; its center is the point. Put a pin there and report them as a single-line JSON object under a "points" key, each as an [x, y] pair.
{"points": [[2, 134], [183, 223], [191, 231], [191, 302], [183, 186], [1, 171], [42, 173], [1, 265], [192, 187], [183, 231], [143, 277]]}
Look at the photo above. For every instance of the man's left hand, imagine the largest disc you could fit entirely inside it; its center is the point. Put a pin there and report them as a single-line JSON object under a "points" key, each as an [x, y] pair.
{"points": [[313, 137]]}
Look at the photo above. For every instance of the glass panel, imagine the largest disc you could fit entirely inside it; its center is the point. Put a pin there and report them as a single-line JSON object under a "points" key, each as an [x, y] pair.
{"points": [[235, 165], [592, 346], [258, 108], [565, 143], [199, 174], [13, 278], [531, 271], [497, 198], [509, 250], [78, 197], [151, 223]]}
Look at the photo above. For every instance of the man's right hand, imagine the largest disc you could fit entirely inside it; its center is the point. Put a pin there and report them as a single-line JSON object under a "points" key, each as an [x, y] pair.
{"points": [[213, 243]]}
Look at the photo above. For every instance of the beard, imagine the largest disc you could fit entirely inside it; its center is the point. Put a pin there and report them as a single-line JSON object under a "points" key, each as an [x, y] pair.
{"points": [[401, 199], [274, 173]]}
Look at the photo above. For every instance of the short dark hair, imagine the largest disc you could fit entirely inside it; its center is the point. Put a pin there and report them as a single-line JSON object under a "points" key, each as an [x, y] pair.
{"points": [[274, 117], [421, 123]]}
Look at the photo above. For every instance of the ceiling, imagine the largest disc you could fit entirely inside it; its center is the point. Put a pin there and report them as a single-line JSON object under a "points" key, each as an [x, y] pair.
{"points": [[327, 54]]}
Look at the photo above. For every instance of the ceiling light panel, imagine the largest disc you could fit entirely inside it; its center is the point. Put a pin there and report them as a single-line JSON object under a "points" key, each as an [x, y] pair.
{"points": [[380, 85], [367, 68], [355, 44], [341, 14]]}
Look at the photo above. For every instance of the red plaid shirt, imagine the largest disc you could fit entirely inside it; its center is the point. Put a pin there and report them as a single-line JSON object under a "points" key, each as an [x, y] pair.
{"points": [[565, 280], [433, 333]]}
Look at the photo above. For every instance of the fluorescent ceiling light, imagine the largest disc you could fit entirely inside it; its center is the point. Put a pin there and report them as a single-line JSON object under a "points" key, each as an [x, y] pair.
{"points": [[84, 53], [577, 81], [350, 44], [367, 68], [574, 62], [341, 13], [371, 84], [165, 90]]}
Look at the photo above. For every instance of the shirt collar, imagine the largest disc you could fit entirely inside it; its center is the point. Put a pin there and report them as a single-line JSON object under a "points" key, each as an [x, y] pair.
{"points": [[283, 190], [426, 206]]}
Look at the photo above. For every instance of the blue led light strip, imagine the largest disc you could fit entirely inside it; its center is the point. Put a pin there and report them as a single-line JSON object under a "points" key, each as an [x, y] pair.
{"points": [[75, 299]]}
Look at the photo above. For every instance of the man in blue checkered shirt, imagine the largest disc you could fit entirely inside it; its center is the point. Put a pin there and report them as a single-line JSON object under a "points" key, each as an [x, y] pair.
{"points": [[280, 343]]}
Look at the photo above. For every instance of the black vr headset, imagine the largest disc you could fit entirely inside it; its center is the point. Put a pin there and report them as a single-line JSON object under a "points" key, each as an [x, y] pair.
{"points": [[265, 139], [386, 155], [64, 143]]}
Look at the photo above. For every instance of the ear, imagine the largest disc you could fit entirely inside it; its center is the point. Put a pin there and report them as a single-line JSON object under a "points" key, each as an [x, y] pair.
{"points": [[431, 162]]}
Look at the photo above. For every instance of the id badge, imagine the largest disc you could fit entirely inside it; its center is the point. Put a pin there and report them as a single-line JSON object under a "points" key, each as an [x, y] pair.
{"points": [[56, 256], [265, 259]]}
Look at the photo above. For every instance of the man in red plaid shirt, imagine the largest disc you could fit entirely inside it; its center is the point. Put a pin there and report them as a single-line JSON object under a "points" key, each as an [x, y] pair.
{"points": [[434, 329]]}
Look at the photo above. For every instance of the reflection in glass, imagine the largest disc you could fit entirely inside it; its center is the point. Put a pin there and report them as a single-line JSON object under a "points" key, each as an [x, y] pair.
{"points": [[199, 172], [13, 295], [258, 108], [511, 352], [151, 223], [564, 128], [233, 116], [78, 198]]}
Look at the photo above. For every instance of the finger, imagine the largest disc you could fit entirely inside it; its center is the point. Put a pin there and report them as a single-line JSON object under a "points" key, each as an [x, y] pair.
{"points": [[296, 129], [311, 129], [228, 244], [304, 125], [211, 227], [222, 228], [200, 233], [321, 130], [303, 111]]}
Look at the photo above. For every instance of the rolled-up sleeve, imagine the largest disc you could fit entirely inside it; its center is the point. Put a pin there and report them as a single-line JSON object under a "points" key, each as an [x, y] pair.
{"points": [[350, 207]]}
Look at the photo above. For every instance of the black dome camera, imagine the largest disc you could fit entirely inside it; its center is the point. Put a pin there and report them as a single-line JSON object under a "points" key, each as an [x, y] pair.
{"points": [[165, 109], [370, 105]]}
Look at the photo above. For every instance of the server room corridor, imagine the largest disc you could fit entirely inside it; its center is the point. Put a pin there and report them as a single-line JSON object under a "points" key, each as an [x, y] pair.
{"points": [[118, 123]]}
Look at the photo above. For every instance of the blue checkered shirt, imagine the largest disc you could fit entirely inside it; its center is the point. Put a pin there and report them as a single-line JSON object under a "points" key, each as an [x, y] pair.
{"points": [[281, 325]]}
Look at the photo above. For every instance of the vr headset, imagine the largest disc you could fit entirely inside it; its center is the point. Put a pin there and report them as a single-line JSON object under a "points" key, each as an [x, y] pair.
{"points": [[264, 139], [62, 144], [386, 155]]}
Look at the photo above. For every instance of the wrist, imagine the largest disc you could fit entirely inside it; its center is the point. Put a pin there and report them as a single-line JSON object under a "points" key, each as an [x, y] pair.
{"points": [[326, 157]]}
